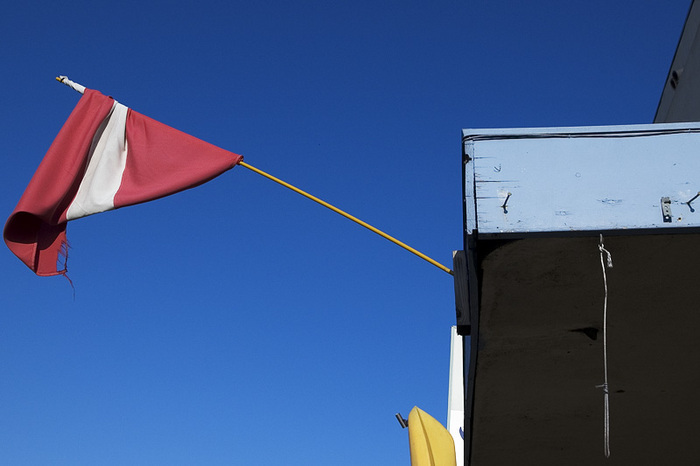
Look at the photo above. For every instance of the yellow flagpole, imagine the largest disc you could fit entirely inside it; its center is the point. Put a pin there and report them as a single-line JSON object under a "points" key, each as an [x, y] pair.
{"points": [[347, 215]]}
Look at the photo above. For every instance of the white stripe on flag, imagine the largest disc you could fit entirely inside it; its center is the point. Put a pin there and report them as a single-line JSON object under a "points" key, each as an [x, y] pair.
{"points": [[106, 164]]}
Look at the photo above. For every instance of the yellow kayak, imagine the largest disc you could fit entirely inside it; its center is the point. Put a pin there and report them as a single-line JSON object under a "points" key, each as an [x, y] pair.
{"points": [[431, 444]]}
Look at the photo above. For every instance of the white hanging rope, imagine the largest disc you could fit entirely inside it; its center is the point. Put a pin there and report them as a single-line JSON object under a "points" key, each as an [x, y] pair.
{"points": [[606, 392]]}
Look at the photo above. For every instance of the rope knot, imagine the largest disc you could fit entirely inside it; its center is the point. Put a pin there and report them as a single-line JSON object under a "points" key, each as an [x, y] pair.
{"points": [[601, 248]]}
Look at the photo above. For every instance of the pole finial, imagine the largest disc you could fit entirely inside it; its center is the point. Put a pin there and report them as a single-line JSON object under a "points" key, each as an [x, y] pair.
{"points": [[71, 84]]}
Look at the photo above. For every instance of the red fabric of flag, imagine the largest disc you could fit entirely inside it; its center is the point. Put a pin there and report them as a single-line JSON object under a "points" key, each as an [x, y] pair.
{"points": [[106, 156]]}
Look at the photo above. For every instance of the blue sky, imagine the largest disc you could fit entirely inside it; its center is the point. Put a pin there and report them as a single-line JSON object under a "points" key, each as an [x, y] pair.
{"points": [[239, 323]]}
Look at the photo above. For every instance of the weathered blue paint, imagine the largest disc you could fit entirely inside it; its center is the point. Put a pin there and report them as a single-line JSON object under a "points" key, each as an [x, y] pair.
{"points": [[539, 180]]}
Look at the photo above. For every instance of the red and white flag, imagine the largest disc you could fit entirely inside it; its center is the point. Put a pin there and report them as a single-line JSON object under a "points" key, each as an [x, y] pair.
{"points": [[106, 156]]}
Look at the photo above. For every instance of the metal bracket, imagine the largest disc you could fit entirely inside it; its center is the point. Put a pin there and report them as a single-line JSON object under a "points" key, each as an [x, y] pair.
{"points": [[666, 209], [403, 422]]}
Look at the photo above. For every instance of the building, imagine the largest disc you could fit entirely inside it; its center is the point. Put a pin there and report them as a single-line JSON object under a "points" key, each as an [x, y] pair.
{"points": [[570, 359]]}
